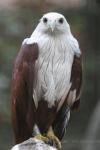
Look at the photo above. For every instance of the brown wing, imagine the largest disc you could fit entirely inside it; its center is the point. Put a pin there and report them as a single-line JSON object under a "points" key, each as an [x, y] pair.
{"points": [[76, 80], [23, 108], [72, 100]]}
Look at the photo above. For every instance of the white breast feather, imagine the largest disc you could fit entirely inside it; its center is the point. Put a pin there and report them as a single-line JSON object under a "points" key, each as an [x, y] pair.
{"points": [[53, 66]]}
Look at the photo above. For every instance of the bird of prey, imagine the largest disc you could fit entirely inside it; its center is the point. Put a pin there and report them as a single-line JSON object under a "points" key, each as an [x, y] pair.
{"points": [[46, 81]]}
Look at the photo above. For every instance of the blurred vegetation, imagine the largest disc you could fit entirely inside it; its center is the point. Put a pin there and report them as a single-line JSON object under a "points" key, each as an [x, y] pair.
{"points": [[15, 25]]}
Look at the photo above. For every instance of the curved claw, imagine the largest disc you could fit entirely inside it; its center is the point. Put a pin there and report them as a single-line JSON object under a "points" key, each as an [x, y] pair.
{"points": [[54, 141], [42, 138]]}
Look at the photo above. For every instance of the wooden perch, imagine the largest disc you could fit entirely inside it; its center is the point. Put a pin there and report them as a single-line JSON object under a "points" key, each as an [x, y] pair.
{"points": [[33, 144]]}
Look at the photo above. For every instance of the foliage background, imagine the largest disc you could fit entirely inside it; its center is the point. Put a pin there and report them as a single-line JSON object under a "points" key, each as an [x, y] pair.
{"points": [[17, 21]]}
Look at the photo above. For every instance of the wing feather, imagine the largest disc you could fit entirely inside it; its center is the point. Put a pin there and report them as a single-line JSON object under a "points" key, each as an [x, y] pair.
{"points": [[23, 108], [76, 79]]}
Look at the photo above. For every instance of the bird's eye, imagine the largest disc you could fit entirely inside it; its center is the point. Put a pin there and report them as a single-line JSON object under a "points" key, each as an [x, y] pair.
{"points": [[61, 20], [45, 20]]}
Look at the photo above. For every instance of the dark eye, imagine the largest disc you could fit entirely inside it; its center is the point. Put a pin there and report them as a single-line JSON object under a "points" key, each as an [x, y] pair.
{"points": [[45, 20], [61, 20]]}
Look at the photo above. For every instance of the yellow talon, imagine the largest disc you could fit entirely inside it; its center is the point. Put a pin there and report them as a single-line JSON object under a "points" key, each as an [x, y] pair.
{"points": [[42, 138], [53, 138]]}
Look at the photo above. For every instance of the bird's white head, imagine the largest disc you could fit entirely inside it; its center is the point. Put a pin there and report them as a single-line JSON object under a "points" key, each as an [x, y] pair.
{"points": [[54, 22]]}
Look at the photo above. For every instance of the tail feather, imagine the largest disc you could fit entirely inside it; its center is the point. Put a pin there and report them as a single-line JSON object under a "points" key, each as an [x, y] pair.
{"points": [[61, 122]]}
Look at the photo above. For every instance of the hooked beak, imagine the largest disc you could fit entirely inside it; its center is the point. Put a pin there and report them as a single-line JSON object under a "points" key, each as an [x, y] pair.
{"points": [[52, 26]]}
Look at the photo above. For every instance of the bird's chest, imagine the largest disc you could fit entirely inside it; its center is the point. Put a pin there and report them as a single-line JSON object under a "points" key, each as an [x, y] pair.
{"points": [[54, 56], [51, 62], [53, 71]]}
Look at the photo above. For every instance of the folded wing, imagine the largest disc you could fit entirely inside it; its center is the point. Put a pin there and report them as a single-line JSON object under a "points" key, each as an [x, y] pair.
{"points": [[23, 107]]}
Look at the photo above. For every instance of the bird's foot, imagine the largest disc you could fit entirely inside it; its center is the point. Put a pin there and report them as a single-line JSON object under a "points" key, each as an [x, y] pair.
{"points": [[53, 140], [42, 138]]}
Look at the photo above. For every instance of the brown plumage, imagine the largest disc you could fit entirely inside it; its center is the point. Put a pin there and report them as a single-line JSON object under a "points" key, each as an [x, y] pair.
{"points": [[24, 112], [76, 79], [23, 108]]}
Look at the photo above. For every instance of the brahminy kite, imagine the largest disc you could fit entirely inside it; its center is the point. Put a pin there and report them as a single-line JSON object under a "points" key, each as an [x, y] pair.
{"points": [[47, 78]]}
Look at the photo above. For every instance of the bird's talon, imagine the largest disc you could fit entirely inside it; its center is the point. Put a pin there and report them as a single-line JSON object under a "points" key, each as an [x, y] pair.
{"points": [[42, 138], [55, 142], [53, 139]]}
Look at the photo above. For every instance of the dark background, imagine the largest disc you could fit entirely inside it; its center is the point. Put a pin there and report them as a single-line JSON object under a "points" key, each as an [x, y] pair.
{"points": [[17, 21]]}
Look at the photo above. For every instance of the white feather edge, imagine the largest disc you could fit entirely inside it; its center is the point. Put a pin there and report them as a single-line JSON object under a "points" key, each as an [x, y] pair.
{"points": [[73, 41]]}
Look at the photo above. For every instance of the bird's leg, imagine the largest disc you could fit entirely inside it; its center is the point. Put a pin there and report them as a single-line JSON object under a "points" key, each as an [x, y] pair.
{"points": [[55, 141], [38, 135]]}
